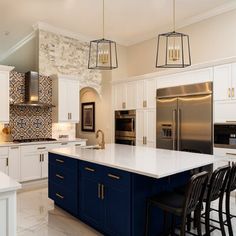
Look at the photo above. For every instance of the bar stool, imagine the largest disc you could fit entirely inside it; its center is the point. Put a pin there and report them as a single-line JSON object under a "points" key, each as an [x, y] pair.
{"points": [[181, 205], [215, 190]]}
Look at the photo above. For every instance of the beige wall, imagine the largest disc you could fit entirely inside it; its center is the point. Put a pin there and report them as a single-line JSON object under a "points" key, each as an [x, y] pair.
{"points": [[210, 39], [103, 112]]}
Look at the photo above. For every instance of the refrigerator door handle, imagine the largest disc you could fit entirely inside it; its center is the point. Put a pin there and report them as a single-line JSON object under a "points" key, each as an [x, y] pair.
{"points": [[174, 129], [178, 128]]}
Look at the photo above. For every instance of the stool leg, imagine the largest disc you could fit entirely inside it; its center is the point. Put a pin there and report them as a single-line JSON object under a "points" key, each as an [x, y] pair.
{"points": [[227, 200], [221, 215], [198, 220], [189, 222], [183, 224], [147, 218], [173, 222], [207, 218]]}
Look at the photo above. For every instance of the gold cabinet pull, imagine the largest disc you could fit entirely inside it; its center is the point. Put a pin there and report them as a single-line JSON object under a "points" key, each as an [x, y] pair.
{"points": [[113, 176], [145, 103], [102, 191], [229, 92], [14, 147], [41, 148], [59, 176], [123, 105], [64, 143], [78, 144], [71, 116], [59, 160], [7, 162], [232, 92], [40, 157], [60, 196], [144, 140], [99, 191], [89, 169], [68, 115]]}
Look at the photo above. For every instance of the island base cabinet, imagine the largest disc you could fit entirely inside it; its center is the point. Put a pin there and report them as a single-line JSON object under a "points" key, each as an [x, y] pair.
{"points": [[104, 199]]}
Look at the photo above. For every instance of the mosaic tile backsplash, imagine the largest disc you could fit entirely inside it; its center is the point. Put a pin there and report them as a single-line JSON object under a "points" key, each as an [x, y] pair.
{"points": [[30, 122]]}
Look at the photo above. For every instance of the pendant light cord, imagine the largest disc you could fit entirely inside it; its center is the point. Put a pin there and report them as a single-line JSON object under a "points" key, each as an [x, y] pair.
{"points": [[103, 19], [173, 15]]}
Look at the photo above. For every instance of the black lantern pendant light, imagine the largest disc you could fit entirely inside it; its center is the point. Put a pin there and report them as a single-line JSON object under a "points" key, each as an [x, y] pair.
{"points": [[173, 49], [102, 53]]}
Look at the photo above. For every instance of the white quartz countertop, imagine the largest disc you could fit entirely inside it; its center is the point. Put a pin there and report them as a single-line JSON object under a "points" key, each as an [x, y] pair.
{"points": [[8, 184], [146, 161], [8, 144]]}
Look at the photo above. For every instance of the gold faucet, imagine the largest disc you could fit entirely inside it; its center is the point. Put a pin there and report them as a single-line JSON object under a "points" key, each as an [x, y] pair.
{"points": [[102, 144]]}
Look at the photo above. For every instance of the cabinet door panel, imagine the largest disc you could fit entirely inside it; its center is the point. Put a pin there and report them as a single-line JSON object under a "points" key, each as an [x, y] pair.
{"points": [[150, 93], [3, 165], [14, 163], [45, 165], [150, 126], [4, 88], [73, 99], [140, 94], [30, 166], [120, 96], [222, 82], [90, 204], [62, 97], [233, 82], [139, 127], [224, 111], [131, 95], [117, 211]]}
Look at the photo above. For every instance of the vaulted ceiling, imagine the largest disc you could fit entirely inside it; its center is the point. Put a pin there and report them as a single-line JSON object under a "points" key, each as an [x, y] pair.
{"points": [[126, 21]]}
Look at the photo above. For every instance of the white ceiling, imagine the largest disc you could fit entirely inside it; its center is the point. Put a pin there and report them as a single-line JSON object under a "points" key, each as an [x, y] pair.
{"points": [[127, 21]]}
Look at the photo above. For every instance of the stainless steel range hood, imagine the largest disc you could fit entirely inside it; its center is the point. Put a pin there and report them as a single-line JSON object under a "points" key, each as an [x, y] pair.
{"points": [[32, 91]]}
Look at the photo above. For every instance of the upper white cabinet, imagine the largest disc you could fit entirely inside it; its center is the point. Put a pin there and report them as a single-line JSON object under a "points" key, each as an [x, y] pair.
{"points": [[225, 82], [4, 91], [66, 98], [146, 127], [146, 94]]}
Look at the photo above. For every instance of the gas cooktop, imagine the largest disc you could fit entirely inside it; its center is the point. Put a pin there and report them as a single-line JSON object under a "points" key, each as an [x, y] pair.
{"points": [[34, 140]]}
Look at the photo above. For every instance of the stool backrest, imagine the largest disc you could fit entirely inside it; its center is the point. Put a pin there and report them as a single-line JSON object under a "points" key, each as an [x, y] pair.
{"points": [[218, 182], [195, 191], [232, 179]]}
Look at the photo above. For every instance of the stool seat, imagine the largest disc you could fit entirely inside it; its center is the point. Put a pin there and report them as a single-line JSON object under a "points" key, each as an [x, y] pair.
{"points": [[169, 201]]}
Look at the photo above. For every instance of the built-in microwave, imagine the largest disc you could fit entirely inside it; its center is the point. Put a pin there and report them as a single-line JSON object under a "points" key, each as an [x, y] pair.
{"points": [[125, 127], [225, 135]]}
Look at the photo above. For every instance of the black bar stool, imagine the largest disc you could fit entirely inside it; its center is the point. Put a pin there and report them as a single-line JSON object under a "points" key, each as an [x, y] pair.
{"points": [[215, 190], [181, 205]]}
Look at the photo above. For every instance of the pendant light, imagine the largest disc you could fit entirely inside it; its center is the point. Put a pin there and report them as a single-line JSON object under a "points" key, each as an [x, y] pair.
{"points": [[103, 52], [173, 48]]}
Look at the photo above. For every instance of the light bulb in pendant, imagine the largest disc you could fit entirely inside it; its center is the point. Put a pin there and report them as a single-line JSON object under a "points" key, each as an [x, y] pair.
{"points": [[103, 56], [174, 53]]}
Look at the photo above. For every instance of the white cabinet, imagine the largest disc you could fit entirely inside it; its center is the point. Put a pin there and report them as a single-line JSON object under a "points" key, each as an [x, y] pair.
{"points": [[14, 162], [66, 98], [4, 160], [44, 163], [225, 82], [225, 111], [146, 127], [146, 94], [131, 95]]}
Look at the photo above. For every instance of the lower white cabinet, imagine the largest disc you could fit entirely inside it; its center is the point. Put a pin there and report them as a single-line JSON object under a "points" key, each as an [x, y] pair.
{"points": [[44, 157], [146, 127], [14, 162], [4, 160], [225, 112]]}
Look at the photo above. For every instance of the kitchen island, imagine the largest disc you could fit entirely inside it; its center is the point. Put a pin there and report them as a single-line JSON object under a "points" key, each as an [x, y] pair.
{"points": [[107, 189]]}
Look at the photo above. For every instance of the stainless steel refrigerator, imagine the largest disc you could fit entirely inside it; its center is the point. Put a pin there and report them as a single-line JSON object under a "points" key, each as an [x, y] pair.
{"points": [[184, 118]]}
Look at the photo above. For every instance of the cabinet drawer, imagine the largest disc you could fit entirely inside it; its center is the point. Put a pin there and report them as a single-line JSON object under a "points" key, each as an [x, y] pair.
{"points": [[63, 176], [68, 200], [90, 170], [63, 161], [116, 178], [35, 148], [3, 151]]}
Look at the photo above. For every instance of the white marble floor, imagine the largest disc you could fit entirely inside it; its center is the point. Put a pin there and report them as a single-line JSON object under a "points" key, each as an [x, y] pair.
{"points": [[37, 216]]}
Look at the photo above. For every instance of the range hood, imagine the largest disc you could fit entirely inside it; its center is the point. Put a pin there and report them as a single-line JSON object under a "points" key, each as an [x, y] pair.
{"points": [[32, 91]]}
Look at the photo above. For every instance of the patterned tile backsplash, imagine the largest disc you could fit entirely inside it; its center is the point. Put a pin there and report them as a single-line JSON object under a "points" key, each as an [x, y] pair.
{"points": [[30, 122]]}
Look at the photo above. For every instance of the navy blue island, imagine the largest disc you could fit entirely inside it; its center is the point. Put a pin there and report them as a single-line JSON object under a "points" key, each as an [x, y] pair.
{"points": [[107, 189]]}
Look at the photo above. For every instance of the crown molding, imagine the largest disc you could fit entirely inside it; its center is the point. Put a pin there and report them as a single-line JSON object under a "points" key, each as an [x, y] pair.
{"points": [[6, 68], [18, 45], [56, 30]]}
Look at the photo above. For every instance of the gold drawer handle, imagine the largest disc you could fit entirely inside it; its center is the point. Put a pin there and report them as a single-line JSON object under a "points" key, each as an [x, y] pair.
{"points": [[144, 103], [59, 160], [102, 191], [89, 169], [228, 153], [113, 176], [232, 92], [41, 148], [64, 143], [60, 196], [59, 176], [14, 147], [78, 144]]}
